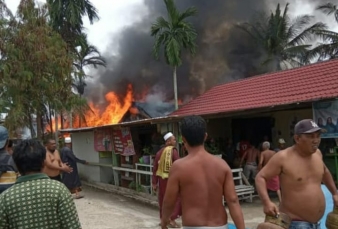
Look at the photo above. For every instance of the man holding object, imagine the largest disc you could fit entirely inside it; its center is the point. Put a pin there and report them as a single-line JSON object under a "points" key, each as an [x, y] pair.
{"points": [[301, 170], [164, 159]]}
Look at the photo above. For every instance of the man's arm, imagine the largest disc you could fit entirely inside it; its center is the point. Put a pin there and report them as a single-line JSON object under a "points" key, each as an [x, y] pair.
{"points": [[60, 166], [258, 155], [50, 164], [260, 165], [171, 192], [176, 155], [271, 169], [328, 179], [71, 154], [3, 216], [243, 157], [231, 198], [66, 212], [329, 182]]}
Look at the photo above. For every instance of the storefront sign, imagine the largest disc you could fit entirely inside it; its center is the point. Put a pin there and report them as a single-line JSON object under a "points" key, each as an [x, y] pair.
{"points": [[103, 140], [326, 116], [122, 141]]}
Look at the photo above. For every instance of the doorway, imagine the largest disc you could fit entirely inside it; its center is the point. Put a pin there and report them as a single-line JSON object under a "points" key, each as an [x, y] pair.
{"points": [[252, 129]]}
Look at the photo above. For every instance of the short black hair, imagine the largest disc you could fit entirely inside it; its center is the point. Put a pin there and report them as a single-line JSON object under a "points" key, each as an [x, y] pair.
{"points": [[48, 140], [193, 129], [29, 156]]}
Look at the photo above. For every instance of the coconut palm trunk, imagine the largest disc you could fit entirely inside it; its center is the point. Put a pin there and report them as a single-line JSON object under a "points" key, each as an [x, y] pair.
{"points": [[175, 87]]}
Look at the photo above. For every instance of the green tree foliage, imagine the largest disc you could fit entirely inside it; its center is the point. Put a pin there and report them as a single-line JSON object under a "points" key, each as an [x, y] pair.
{"points": [[174, 34], [36, 67], [284, 41], [328, 48]]}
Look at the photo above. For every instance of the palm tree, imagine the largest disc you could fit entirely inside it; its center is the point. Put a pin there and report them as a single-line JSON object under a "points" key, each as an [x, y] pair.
{"points": [[328, 49], [284, 41], [87, 55], [66, 17], [174, 34]]}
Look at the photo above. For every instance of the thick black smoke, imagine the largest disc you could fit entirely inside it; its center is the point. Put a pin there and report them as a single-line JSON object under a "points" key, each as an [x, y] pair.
{"points": [[224, 52]]}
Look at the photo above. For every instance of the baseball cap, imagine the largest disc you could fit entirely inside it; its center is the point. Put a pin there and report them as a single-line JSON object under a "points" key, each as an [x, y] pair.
{"points": [[306, 126], [281, 141], [3, 136]]}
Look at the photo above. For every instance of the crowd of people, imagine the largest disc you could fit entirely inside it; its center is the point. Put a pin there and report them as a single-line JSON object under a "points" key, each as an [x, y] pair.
{"points": [[194, 186], [37, 183], [191, 187]]}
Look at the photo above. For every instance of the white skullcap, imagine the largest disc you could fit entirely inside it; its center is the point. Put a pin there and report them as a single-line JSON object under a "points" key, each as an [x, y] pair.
{"points": [[167, 136], [68, 140], [281, 141]]}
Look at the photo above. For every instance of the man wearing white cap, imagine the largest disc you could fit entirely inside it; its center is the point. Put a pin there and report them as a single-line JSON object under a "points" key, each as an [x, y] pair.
{"points": [[71, 180], [162, 164], [281, 145]]}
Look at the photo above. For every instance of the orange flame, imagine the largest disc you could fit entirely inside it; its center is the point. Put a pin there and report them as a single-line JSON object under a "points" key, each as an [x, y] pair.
{"points": [[112, 114]]}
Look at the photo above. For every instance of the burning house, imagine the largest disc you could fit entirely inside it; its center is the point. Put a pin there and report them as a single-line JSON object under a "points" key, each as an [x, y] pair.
{"points": [[128, 96]]}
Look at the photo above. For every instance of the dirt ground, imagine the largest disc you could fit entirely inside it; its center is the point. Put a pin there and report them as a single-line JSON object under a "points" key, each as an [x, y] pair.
{"points": [[104, 210]]}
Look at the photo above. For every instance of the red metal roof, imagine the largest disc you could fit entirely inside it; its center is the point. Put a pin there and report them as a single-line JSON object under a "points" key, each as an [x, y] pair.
{"points": [[303, 84]]}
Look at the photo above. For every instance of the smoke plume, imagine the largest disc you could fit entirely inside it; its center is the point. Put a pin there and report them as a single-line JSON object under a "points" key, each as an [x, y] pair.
{"points": [[224, 53]]}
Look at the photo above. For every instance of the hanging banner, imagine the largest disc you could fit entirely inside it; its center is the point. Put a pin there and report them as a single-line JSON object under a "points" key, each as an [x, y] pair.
{"points": [[122, 141], [326, 116], [103, 140]]}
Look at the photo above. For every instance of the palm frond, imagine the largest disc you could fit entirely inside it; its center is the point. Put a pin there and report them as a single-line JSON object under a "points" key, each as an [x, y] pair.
{"points": [[329, 9], [307, 34], [192, 11], [327, 35], [173, 13], [160, 24], [173, 52]]}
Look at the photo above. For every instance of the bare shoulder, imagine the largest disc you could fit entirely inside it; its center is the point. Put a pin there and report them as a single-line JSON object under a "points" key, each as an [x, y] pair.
{"points": [[179, 163], [280, 156], [284, 153], [319, 153]]}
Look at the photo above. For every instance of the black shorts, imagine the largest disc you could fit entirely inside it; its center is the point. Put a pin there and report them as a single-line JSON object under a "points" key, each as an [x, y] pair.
{"points": [[58, 178]]}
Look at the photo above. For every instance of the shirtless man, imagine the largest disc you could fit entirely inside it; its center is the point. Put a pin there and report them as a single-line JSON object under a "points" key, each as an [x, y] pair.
{"points": [[201, 180], [266, 155], [53, 164], [301, 170], [251, 156]]}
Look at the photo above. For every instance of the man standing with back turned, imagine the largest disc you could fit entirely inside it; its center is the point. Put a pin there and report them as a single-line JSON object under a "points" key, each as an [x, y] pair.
{"points": [[164, 159], [301, 171], [201, 180]]}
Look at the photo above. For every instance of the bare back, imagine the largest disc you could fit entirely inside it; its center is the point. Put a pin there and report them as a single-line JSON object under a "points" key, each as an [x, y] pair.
{"points": [[252, 155], [267, 155], [55, 159], [201, 180]]}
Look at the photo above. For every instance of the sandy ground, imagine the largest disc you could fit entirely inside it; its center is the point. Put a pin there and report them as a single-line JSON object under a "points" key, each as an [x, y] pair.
{"points": [[103, 210]]}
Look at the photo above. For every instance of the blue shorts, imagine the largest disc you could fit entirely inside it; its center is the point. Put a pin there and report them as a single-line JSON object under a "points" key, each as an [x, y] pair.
{"points": [[304, 225]]}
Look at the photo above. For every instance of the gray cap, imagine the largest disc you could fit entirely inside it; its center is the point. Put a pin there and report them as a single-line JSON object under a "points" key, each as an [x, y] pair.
{"points": [[3, 136], [306, 126]]}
